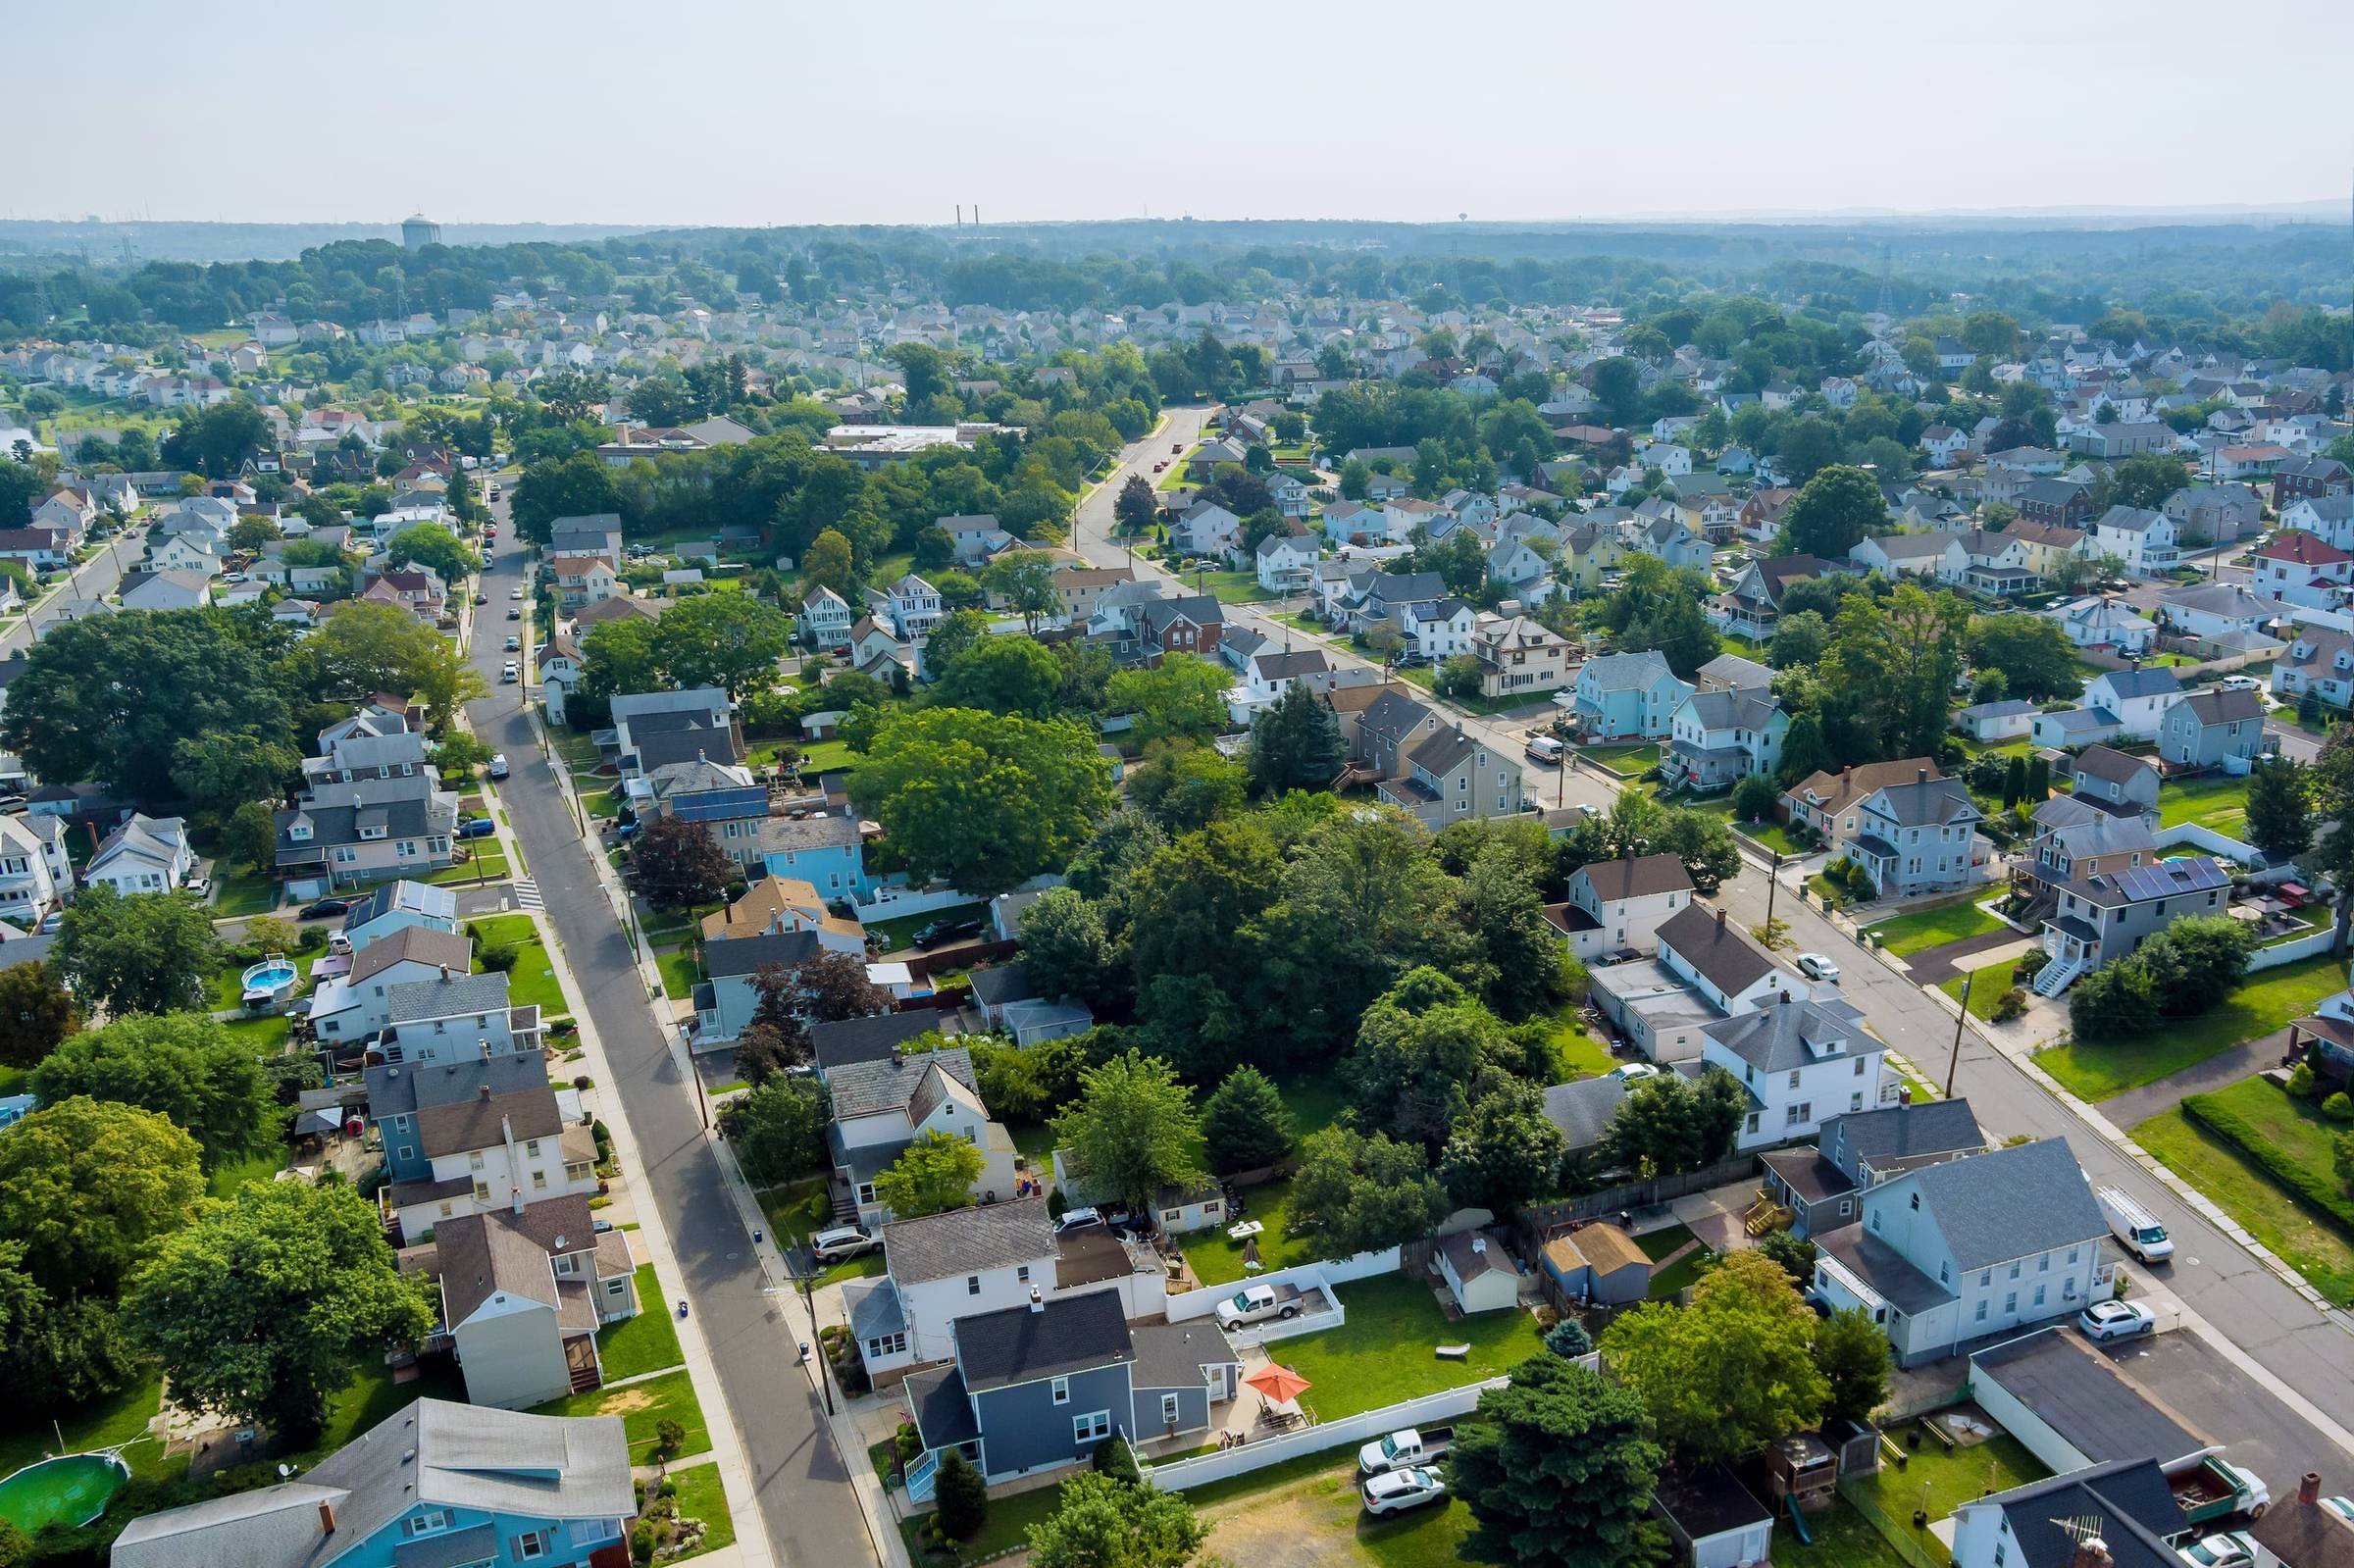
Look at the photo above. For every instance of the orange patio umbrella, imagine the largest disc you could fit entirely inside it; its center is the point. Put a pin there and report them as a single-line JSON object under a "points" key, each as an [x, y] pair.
{"points": [[1278, 1383]]}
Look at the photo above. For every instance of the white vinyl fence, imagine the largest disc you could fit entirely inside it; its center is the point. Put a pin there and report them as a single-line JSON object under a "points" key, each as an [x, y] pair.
{"points": [[1348, 1432], [2309, 945], [1185, 1305]]}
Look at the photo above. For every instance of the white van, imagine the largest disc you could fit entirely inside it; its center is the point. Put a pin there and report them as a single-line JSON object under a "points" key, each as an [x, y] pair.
{"points": [[1545, 749], [2135, 1226]]}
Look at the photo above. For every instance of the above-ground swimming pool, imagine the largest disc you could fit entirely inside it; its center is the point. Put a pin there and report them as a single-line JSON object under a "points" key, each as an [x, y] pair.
{"points": [[270, 982], [72, 1490]]}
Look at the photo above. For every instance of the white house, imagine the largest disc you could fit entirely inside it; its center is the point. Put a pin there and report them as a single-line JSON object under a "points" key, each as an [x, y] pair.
{"points": [[2146, 540], [35, 871], [943, 1267], [1803, 1063], [2216, 610], [1284, 562], [2100, 622], [144, 855], [2301, 569], [880, 1108], [2137, 698], [1616, 906], [1720, 960]]}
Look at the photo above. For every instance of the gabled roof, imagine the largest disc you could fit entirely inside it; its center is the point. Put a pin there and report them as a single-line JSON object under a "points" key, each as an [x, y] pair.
{"points": [[2127, 1500], [1715, 948], [1926, 803], [2219, 706], [2010, 1202], [1053, 1339], [1636, 877], [446, 997], [869, 1089], [1794, 1034], [2110, 766], [995, 1235], [1896, 1133], [2121, 684], [1584, 1108]]}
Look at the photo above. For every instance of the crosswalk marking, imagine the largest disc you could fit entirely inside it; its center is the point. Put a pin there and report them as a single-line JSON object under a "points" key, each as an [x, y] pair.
{"points": [[527, 894]]}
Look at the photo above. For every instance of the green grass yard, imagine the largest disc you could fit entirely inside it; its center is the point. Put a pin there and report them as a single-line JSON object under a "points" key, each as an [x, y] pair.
{"points": [[110, 1422], [1934, 925], [647, 1343], [1628, 759], [1314, 1500], [681, 972], [642, 1408], [701, 1497], [2313, 1245], [1385, 1352], [2211, 800], [245, 893], [1231, 587], [1773, 835], [489, 864], [231, 1175], [897, 933], [1217, 1258], [797, 1210], [1007, 1529], [825, 756], [1987, 988], [2264, 1002]]}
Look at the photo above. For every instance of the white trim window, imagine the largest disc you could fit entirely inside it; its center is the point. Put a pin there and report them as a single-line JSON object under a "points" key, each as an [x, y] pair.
{"points": [[1092, 1427]]}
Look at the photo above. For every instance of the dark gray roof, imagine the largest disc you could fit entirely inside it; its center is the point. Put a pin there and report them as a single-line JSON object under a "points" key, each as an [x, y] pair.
{"points": [[1900, 1132], [445, 998], [2154, 683], [943, 1409], [2127, 1500], [2010, 1202], [866, 1040], [1171, 1355], [743, 955], [1930, 803], [1637, 876], [2224, 707], [995, 1235], [999, 984], [2167, 878], [866, 1088], [1045, 1339], [1581, 1110], [1793, 1034], [2075, 1389], [1884, 1269], [1748, 709], [2110, 765], [397, 1091], [1442, 752], [1719, 950], [1707, 1502]]}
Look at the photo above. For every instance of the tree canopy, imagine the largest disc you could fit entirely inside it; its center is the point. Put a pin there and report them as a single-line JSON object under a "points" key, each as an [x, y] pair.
{"points": [[204, 1077], [982, 800]]}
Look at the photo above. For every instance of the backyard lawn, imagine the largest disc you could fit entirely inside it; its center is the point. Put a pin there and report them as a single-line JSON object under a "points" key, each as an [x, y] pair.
{"points": [[104, 1423], [2248, 1192], [1231, 587], [245, 895], [647, 1343], [1005, 1530], [681, 971], [1622, 759], [1268, 1514], [897, 933], [827, 756], [1940, 1481], [2264, 1002], [1217, 1258], [489, 864], [1934, 927], [2211, 801], [1576, 1054], [231, 1175], [642, 1408], [1385, 1352], [1987, 988], [1773, 835]]}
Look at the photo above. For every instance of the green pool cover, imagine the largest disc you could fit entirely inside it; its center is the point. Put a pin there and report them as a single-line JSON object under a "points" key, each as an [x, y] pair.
{"points": [[71, 1490]]}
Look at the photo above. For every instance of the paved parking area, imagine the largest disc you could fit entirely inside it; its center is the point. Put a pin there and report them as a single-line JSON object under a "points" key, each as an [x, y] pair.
{"points": [[2183, 1373]]}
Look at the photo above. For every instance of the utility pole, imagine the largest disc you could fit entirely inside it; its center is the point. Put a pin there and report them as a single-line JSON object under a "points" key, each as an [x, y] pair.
{"points": [[1773, 884], [695, 1076], [1955, 1061], [825, 1376]]}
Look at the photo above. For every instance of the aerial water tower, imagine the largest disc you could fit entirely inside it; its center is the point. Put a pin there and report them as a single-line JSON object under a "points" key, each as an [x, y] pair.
{"points": [[418, 231]]}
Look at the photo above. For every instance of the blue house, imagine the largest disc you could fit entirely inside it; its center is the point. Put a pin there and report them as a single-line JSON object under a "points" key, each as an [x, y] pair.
{"points": [[1625, 696], [408, 1101], [1038, 1387], [437, 1483], [828, 852]]}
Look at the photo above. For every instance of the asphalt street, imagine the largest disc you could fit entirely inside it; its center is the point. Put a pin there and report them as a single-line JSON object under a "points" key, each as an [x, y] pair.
{"points": [[94, 579], [802, 1489], [2310, 1353]]}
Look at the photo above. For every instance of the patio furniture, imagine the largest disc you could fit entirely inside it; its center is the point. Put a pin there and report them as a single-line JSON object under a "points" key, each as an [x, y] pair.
{"points": [[1454, 1352], [1246, 1230]]}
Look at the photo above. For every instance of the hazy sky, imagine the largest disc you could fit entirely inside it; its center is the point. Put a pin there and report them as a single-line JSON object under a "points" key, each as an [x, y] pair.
{"points": [[740, 112]]}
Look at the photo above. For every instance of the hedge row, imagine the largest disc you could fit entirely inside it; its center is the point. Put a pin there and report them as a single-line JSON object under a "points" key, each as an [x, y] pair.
{"points": [[2318, 1187]]}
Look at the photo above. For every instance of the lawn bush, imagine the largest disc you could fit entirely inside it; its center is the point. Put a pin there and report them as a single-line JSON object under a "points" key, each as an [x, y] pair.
{"points": [[2313, 1186], [2302, 1083], [2012, 1004], [2338, 1108]]}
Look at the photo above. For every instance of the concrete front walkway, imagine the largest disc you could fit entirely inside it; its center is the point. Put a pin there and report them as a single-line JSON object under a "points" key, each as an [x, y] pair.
{"points": [[2220, 1071]]}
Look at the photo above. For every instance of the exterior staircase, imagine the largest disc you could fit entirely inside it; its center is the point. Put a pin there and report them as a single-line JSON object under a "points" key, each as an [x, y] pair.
{"points": [[1764, 1215], [2057, 976], [920, 1478]]}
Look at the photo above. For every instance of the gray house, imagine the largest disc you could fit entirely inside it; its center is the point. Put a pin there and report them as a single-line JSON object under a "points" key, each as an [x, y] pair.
{"points": [[2106, 915], [2211, 728], [1916, 838], [2118, 783], [1820, 1186], [1038, 1387]]}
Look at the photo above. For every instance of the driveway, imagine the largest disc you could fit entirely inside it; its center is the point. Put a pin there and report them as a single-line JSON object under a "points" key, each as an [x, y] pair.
{"points": [[2215, 1399], [2220, 1071], [798, 1479]]}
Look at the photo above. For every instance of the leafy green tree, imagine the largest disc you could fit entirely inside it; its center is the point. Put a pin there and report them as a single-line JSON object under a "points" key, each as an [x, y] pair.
{"points": [[1755, 799], [676, 864], [1065, 949], [2147, 478], [934, 1174], [183, 1065], [149, 953], [1358, 1194], [1706, 846], [981, 800], [1504, 911], [36, 1014], [1026, 581], [1002, 675], [436, 548], [1135, 509], [2037, 661], [1851, 1351], [86, 1184], [1103, 1522], [1457, 678], [1133, 1132], [2117, 1001], [578, 484], [829, 563], [217, 440], [223, 770], [1568, 1338], [1295, 743], [1419, 1049], [1671, 1124], [262, 1306], [729, 640], [366, 648], [1182, 698], [959, 1497], [778, 1129], [1559, 1471], [1834, 511], [1728, 1374], [1503, 1154], [2197, 961], [1183, 786], [1246, 1124], [2280, 820], [250, 836], [1794, 1253]]}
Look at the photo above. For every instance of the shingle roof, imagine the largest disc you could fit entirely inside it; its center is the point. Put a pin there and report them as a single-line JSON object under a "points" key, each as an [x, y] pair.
{"points": [[2011, 1202], [2075, 1389], [1793, 1034], [393, 1090], [2154, 683], [1627, 672], [2127, 1500], [2219, 706], [1719, 950], [425, 944], [866, 1040], [1636, 877], [868, 1088], [460, 1127], [2110, 765], [1927, 803], [417, 999], [1171, 1355], [995, 1235], [1022, 1344], [743, 956], [1900, 1132], [1583, 1109]]}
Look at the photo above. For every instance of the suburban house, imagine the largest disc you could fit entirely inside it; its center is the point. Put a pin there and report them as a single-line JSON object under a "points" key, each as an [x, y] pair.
{"points": [[1597, 1263], [1438, 631], [144, 855], [2104, 916], [353, 1006], [1753, 605], [524, 1290], [2117, 782], [1860, 1149], [2007, 720], [597, 533], [1826, 802], [583, 580], [2137, 699], [1916, 838], [166, 590], [2100, 622], [651, 728], [1617, 905], [911, 605], [2216, 610], [2067, 728], [2137, 1513], [1036, 1385], [2054, 502], [1802, 1063], [2301, 569], [880, 1108], [370, 829], [1721, 961], [827, 850], [2318, 660], [1957, 1250], [776, 905], [975, 536], [35, 871], [2214, 729], [1429, 767], [1715, 738], [826, 619], [1626, 696], [437, 1482], [1283, 563], [1206, 528], [1519, 655], [939, 1268], [395, 906], [727, 997]]}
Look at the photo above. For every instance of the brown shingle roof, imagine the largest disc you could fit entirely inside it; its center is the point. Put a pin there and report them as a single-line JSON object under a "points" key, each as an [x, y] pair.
{"points": [[475, 1123], [1637, 876]]}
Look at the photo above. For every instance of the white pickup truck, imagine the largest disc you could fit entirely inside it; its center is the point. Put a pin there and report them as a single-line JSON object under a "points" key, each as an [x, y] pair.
{"points": [[1256, 1303], [1407, 1447]]}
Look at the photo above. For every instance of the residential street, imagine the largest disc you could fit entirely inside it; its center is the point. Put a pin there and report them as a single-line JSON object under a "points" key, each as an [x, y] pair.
{"points": [[94, 579], [2306, 1347], [803, 1493]]}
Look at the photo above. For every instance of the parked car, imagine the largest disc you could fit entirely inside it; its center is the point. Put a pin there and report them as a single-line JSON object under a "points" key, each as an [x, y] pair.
{"points": [[514, 642], [499, 765], [482, 598], [2225, 1550], [2341, 1506], [1078, 1220], [478, 828], [514, 593], [2135, 1226], [2243, 682], [1255, 1303], [1409, 1448], [1635, 1072], [493, 493], [1545, 749], [326, 909], [947, 931], [2104, 1321], [842, 1242], [514, 615], [50, 922], [508, 673], [201, 886], [1400, 1489], [1817, 967]]}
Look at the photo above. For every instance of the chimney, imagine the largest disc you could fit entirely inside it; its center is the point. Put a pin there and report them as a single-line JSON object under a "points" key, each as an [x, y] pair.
{"points": [[515, 1206], [1038, 1303], [1845, 769], [1479, 1244], [2091, 1553], [2308, 1489], [1904, 1097], [444, 974], [1921, 776], [1721, 919], [326, 1517], [482, 1093]]}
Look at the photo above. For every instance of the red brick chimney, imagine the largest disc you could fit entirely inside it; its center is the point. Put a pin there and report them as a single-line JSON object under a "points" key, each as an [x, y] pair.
{"points": [[326, 1517], [2091, 1553], [1721, 919], [2308, 1489]]}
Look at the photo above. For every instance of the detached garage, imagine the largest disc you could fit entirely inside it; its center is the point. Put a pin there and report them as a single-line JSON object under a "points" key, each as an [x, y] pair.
{"points": [[2061, 1399]]}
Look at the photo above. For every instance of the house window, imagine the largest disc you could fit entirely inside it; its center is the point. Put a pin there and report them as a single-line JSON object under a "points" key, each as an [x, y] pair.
{"points": [[427, 1521], [407, 1152], [531, 1546], [1023, 1274], [1917, 1202], [1063, 1391], [1093, 1428], [1985, 1278], [2071, 1255], [887, 1344], [1794, 1079], [1859, 1067], [2014, 1271], [1168, 1409], [2039, 1295], [2009, 1303], [1981, 1313], [1942, 1275], [1847, 1206]]}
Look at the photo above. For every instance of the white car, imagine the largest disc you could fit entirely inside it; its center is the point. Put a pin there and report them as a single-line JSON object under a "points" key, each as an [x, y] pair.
{"points": [[1400, 1489], [2104, 1321], [2344, 1507], [2243, 682], [1817, 967], [499, 765], [509, 673], [514, 593], [842, 1242], [514, 643], [2224, 1550], [1635, 1072], [1078, 1220]]}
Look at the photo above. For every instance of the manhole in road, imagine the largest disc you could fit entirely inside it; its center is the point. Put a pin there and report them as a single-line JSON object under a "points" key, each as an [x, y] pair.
{"points": [[733, 1256]]}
